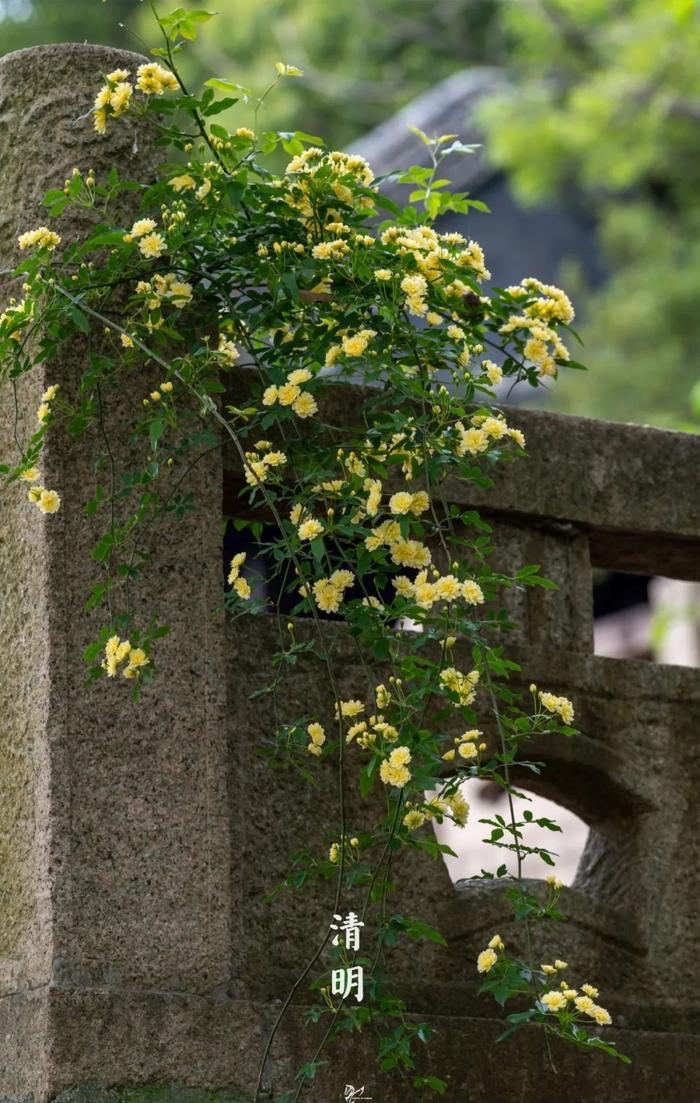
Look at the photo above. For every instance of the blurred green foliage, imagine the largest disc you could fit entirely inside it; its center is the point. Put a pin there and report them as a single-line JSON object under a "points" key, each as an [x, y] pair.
{"points": [[606, 101], [362, 59], [33, 22]]}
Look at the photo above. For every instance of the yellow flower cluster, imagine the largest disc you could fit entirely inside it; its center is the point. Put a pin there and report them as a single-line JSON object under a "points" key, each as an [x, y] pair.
{"points": [[355, 344], [403, 444], [493, 372], [204, 188], [350, 708], [310, 529], [483, 429], [226, 351], [488, 957], [374, 497], [442, 588], [454, 806], [167, 288], [394, 769], [560, 705], [317, 736], [115, 95], [330, 250], [42, 238], [257, 466], [403, 502], [19, 314], [164, 388], [368, 732], [434, 256], [334, 851], [382, 696], [563, 998], [47, 398], [184, 182], [415, 288], [548, 305], [290, 393], [239, 584], [154, 80], [116, 651], [47, 501], [312, 159], [554, 882], [414, 819], [473, 258], [408, 553], [550, 970], [459, 808], [279, 247], [466, 745], [342, 172], [329, 593], [464, 685], [113, 98], [151, 243]]}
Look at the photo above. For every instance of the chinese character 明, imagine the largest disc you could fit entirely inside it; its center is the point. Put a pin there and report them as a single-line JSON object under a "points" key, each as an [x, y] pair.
{"points": [[344, 980], [351, 925]]}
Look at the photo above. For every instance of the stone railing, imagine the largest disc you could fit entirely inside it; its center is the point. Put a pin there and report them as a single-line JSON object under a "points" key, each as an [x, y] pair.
{"points": [[137, 841]]}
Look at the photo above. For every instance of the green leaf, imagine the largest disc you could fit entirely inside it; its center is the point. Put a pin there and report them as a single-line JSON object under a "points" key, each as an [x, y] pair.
{"points": [[219, 105], [416, 929], [96, 595], [434, 1082], [310, 139], [92, 505], [80, 320], [228, 86], [201, 16], [366, 780], [156, 430]]}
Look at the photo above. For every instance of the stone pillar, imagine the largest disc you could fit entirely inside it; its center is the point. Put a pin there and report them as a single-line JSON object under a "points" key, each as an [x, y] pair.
{"points": [[114, 917]]}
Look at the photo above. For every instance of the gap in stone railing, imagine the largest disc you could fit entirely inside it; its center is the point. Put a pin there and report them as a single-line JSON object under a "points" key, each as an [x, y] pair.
{"points": [[643, 617], [473, 854]]}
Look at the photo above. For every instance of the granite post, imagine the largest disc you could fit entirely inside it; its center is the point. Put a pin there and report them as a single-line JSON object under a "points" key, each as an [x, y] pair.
{"points": [[113, 819]]}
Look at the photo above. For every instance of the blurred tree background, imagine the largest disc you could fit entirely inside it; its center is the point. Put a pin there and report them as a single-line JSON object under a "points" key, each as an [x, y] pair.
{"points": [[604, 104]]}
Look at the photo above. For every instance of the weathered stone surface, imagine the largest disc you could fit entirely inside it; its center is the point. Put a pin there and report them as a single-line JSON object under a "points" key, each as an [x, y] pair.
{"points": [[114, 832], [630, 775], [217, 1043], [543, 617], [631, 490], [634, 489]]}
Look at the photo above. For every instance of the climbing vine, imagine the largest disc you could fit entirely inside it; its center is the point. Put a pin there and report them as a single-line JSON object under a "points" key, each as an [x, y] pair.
{"points": [[298, 284]]}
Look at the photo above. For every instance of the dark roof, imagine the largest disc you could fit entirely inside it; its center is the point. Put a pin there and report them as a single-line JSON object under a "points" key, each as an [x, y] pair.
{"points": [[448, 108], [518, 240]]}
